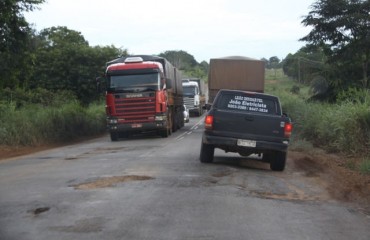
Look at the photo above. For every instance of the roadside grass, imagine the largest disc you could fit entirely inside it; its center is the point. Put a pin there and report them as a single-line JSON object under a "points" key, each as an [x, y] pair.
{"points": [[343, 127], [33, 124], [365, 165]]}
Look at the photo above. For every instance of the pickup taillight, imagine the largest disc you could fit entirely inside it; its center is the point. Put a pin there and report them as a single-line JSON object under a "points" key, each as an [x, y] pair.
{"points": [[208, 122], [288, 127]]}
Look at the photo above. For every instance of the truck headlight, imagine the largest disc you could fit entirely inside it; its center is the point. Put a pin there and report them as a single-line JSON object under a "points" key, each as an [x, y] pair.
{"points": [[112, 121], [160, 118]]}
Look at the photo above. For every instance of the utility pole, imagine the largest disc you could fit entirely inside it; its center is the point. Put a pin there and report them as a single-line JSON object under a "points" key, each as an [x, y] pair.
{"points": [[299, 69]]}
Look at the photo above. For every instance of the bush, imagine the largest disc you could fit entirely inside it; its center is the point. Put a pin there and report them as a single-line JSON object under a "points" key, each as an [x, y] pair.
{"points": [[34, 124], [341, 127]]}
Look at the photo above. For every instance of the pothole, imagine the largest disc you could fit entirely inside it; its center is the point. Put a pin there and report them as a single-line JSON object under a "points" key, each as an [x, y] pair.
{"points": [[110, 181], [39, 210], [91, 225]]}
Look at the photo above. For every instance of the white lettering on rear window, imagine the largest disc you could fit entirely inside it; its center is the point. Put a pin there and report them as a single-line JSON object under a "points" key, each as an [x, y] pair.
{"points": [[248, 104]]}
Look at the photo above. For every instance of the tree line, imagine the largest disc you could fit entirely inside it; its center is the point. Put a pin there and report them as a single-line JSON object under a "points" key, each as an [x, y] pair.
{"points": [[335, 59], [35, 65]]}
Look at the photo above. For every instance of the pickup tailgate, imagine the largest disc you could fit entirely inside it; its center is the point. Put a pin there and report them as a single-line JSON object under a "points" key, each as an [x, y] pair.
{"points": [[249, 116], [248, 126]]}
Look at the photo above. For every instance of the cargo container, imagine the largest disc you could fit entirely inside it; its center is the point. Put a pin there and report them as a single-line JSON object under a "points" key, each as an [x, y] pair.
{"points": [[235, 73]]}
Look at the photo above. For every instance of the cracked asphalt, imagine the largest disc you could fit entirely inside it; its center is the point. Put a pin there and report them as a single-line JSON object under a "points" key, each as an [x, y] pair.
{"points": [[147, 187]]}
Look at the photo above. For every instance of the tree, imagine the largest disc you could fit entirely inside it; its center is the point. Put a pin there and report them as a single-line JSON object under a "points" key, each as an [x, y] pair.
{"points": [[15, 41], [305, 65], [187, 64], [65, 61], [342, 28], [180, 59]]}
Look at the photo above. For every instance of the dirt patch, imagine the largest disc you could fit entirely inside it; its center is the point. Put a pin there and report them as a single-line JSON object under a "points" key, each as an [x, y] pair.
{"points": [[110, 182], [91, 225], [342, 183], [7, 152]]}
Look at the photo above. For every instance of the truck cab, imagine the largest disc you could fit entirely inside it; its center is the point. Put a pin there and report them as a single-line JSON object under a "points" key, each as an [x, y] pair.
{"points": [[140, 96], [193, 97]]}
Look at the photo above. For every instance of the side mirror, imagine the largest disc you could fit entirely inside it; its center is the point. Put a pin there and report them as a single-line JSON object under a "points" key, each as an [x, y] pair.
{"points": [[168, 83], [101, 84]]}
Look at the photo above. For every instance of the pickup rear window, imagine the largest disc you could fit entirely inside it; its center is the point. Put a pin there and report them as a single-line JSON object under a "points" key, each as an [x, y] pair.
{"points": [[247, 103]]}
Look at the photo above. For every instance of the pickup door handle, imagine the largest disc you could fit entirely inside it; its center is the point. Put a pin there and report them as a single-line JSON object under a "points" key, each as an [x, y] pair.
{"points": [[250, 119]]}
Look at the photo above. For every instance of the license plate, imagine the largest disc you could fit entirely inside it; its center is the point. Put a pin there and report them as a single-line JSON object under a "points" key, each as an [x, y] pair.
{"points": [[246, 143], [136, 125]]}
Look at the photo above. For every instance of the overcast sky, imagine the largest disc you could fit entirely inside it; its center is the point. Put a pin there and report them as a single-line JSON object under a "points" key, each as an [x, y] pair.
{"points": [[203, 28]]}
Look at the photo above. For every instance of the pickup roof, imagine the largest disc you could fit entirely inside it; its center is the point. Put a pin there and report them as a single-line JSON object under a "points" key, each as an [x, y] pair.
{"points": [[247, 123]]}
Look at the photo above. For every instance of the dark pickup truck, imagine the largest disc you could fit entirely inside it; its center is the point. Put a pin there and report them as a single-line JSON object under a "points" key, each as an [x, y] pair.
{"points": [[247, 123]]}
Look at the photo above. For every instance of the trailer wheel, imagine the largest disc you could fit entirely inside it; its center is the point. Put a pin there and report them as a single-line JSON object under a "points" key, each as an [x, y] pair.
{"points": [[200, 111], [174, 122], [114, 136], [277, 162], [206, 153]]}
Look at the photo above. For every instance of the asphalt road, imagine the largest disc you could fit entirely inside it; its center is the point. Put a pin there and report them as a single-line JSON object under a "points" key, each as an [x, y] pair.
{"points": [[147, 187]]}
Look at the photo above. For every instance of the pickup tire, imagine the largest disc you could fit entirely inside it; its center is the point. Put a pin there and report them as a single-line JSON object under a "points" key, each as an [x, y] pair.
{"points": [[277, 161], [206, 153]]}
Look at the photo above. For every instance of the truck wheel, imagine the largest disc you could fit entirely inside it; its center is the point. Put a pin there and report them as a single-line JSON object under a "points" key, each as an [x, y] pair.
{"points": [[277, 163], [174, 122], [200, 111], [206, 153], [114, 136], [164, 133]]}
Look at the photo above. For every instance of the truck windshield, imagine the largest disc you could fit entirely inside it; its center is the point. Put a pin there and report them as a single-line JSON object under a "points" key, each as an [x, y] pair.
{"points": [[189, 91], [135, 82], [247, 103]]}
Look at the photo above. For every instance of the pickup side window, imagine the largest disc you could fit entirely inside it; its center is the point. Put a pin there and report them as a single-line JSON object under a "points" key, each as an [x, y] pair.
{"points": [[247, 103]]}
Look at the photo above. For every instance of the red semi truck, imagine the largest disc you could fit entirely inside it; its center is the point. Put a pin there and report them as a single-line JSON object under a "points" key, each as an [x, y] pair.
{"points": [[143, 93]]}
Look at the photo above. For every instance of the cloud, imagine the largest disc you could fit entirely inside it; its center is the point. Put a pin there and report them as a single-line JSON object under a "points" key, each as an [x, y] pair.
{"points": [[204, 28]]}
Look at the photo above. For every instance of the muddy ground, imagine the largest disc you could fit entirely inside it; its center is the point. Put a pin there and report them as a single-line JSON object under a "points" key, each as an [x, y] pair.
{"points": [[333, 172]]}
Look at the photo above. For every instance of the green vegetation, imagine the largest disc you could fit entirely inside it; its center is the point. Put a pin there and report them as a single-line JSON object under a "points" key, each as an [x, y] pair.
{"points": [[323, 87], [365, 165], [341, 127], [37, 124], [189, 67]]}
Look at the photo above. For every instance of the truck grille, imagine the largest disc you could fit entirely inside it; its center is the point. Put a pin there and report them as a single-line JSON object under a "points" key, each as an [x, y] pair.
{"points": [[189, 102], [135, 110]]}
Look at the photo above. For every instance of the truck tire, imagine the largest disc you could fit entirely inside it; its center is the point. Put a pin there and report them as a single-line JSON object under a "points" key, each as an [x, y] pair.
{"points": [[200, 111], [114, 136], [164, 133], [168, 131], [206, 153], [277, 162]]}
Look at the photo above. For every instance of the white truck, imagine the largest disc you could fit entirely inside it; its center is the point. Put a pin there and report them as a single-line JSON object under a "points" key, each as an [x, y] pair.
{"points": [[193, 95]]}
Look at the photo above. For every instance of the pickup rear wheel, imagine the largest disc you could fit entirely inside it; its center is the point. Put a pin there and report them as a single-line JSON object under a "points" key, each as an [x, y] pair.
{"points": [[277, 161], [206, 153]]}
